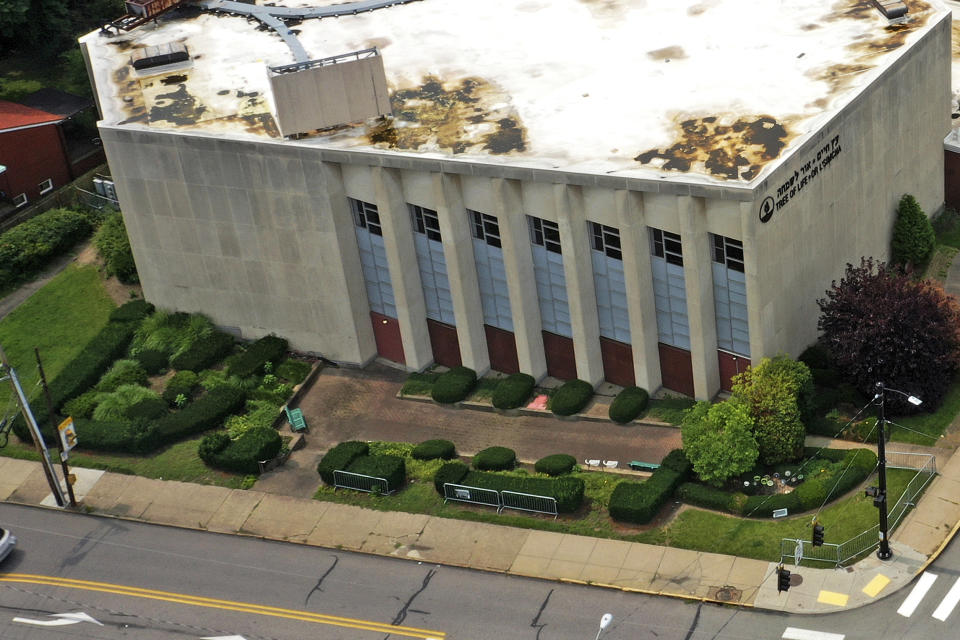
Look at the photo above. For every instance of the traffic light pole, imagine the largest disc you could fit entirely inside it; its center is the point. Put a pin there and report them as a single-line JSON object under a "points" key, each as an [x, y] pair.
{"points": [[46, 463], [63, 457], [880, 500]]}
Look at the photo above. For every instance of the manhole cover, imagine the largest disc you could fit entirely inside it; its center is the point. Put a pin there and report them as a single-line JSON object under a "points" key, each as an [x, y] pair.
{"points": [[727, 594], [795, 579]]}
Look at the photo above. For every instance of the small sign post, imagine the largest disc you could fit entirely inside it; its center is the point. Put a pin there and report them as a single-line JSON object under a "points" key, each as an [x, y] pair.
{"points": [[68, 436]]}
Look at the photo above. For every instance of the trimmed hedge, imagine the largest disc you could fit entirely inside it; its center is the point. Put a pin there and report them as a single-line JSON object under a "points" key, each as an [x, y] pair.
{"points": [[452, 472], [250, 362], [208, 411], [557, 464], [147, 409], [122, 372], [203, 353], [709, 497], [639, 502], [391, 468], [495, 459], [82, 406], [293, 371], [28, 247], [184, 382], [512, 392], [567, 491], [243, 454], [133, 311], [136, 437], [434, 449], [571, 397], [454, 385], [340, 457], [628, 404]]}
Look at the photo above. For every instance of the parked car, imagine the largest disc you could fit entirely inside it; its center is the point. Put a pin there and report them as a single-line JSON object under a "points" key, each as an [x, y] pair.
{"points": [[7, 542]]}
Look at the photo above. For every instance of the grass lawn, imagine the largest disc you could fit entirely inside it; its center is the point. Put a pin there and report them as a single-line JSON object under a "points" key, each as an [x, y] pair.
{"points": [[419, 384], [59, 319], [176, 462], [760, 539], [484, 389], [669, 409], [930, 425]]}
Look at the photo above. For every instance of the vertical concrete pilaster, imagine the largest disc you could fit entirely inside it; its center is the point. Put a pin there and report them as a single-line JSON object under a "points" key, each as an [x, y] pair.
{"points": [[698, 274], [521, 283], [578, 272], [761, 329], [404, 270], [638, 276], [334, 199], [462, 271]]}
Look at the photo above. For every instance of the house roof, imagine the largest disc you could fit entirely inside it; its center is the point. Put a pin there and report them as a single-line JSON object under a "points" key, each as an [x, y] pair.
{"points": [[57, 102], [18, 116]]}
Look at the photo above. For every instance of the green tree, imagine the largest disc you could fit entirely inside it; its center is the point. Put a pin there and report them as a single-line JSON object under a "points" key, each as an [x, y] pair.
{"points": [[13, 15], [717, 440], [913, 235], [114, 247], [777, 393]]}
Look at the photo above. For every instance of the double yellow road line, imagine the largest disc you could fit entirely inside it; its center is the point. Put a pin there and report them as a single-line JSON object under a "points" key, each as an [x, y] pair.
{"points": [[227, 605]]}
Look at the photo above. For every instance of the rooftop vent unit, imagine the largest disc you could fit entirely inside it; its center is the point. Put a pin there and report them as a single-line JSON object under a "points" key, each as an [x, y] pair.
{"points": [[162, 54], [318, 94], [892, 10]]}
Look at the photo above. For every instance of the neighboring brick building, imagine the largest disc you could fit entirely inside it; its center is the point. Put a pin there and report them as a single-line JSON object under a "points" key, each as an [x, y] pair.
{"points": [[648, 191]]}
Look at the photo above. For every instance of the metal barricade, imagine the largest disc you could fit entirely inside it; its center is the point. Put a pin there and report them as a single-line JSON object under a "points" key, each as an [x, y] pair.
{"points": [[473, 495], [360, 482], [528, 502]]}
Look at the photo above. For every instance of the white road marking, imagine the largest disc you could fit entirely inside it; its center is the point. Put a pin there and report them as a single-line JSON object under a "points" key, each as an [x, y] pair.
{"points": [[913, 600], [224, 638], [62, 620], [948, 603], [792, 633]]}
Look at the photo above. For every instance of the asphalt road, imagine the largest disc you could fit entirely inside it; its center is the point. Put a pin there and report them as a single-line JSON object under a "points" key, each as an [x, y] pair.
{"points": [[150, 582]]}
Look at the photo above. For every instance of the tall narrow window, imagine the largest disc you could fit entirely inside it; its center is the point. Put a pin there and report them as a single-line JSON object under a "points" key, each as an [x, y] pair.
{"points": [[548, 271], [491, 273], [669, 289], [373, 258], [730, 296], [609, 283], [433, 265]]}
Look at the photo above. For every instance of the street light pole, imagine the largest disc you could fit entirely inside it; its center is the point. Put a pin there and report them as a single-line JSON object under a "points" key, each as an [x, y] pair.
{"points": [[879, 493], [605, 621]]}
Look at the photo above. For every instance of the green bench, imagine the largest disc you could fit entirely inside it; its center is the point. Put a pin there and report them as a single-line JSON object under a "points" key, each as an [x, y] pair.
{"points": [[643, 466], [295, 418]]}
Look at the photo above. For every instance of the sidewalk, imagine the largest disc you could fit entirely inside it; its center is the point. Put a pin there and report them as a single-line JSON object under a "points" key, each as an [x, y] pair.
{"points": [[538, 554]]}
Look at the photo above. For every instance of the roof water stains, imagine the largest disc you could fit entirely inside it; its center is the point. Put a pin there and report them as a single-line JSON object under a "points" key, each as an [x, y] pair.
{"points": [[174, 79], [735, 151], [177, 107], [955, 30], [471, 114], [839, 76], [674, 52]]}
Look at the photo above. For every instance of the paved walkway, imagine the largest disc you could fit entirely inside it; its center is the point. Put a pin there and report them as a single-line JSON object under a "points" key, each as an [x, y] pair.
{"points": [[344, 404]]}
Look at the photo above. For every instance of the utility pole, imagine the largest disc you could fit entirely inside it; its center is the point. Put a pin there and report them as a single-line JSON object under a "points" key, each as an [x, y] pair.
{"points": [[46, 463], [63, 454], [880, 500]]}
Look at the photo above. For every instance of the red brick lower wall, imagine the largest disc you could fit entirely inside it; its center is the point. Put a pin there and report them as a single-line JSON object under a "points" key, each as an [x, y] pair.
{"points": [[561, 362], [676, 369], [617, 362], [730, 365], [502, 349], [445, 344]]}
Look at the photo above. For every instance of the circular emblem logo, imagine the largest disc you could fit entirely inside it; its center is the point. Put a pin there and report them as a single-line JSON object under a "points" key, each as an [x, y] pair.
{"points": [[767, 208]]}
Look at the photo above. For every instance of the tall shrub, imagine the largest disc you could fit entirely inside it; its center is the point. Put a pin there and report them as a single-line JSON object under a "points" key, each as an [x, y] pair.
{"points": [[113, 245], [718, 440], [883, 326], [913, 236]]}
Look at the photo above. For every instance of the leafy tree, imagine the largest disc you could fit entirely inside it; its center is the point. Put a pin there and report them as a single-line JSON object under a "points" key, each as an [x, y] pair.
{"points": [[913, 236], [113, 245], [777, 393], [883, 326], [13, 15], [718, 440]]}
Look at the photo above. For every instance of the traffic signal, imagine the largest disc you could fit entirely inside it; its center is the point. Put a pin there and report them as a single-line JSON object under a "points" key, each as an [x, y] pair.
{"points": [[783, 579], [818, 535]]}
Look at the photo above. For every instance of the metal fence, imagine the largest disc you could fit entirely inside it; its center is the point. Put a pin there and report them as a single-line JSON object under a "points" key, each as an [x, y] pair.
{"points": [[528, 502], [839, 554], [360, 482], [473, 495]]}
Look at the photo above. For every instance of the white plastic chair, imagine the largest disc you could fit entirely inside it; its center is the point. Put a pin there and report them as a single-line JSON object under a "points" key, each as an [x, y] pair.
{"points": [[610, 464]]}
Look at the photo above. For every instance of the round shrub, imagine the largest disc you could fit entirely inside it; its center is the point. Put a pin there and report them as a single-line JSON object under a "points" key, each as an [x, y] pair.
{"points": [[243, 454], [212, 443], [571, 397], [513, 391], [495, 459], [148, 409], [454, 385], [152, 361], [123, 372], [434, 450], [556, 465], [82, 406], [181, 382], [133, 311], [628, 404], [340, 457], [451, 472], [114, 405]]}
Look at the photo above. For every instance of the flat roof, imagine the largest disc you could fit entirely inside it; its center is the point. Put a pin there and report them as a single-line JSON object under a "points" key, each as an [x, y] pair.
{"points": [[706, 91]]}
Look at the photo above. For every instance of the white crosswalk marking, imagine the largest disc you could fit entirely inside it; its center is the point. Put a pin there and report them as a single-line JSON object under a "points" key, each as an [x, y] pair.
{"points": [[949, 602], [793, 633], [919, 591]]}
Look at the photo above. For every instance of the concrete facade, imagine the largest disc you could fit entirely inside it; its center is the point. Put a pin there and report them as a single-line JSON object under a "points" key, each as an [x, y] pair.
{"points": [[259, 234]]}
